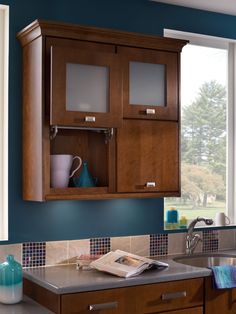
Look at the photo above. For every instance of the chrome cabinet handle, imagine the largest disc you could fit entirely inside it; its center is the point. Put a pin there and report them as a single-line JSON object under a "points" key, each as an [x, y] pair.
{"points": [[173, 295], [150, 184], [103, 306], [90, 119], [150, 111]]}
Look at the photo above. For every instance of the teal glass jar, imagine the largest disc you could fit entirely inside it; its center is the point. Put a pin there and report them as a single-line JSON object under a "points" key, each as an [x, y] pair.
{"points": [[11, 281]]}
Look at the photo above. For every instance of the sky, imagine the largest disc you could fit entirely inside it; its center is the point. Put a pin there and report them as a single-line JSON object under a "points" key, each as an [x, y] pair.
{"points": [[199, 65]]}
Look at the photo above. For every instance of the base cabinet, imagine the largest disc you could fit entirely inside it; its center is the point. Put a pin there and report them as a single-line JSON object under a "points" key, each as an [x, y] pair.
{"points": [[219, 301], [176, 297]]}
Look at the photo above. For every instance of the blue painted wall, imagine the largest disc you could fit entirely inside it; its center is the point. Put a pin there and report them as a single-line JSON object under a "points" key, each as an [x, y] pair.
{"points": [[32, 221]]}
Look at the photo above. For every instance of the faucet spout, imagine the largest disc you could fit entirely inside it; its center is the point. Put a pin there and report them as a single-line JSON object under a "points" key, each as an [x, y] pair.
{"points": [[193, 239]]}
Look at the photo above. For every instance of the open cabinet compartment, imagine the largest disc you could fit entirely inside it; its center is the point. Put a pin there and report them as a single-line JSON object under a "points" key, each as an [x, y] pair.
{"points": [[93, 147]]}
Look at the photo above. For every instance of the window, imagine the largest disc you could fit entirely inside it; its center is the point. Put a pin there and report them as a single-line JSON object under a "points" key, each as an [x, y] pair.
{"points": [[207, 127], [4, 38]]}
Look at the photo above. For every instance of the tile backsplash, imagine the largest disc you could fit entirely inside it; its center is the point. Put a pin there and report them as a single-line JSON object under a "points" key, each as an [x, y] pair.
{"points": [[33, 254]]}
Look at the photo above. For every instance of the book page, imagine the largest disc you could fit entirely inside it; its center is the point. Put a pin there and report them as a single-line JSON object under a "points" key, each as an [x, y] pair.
{"points": [[124, 264]]}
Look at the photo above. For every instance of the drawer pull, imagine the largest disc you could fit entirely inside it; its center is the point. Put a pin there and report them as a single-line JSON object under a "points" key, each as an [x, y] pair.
{"points": [[103, 306], [173, 295], [150, 184], [150, 111], [90, 119]]}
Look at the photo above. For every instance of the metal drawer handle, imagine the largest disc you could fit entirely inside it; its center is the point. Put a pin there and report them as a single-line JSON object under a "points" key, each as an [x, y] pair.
{"points": [[173, 295], [150, 184], [150, 111], [90, 119], [103, 306]]}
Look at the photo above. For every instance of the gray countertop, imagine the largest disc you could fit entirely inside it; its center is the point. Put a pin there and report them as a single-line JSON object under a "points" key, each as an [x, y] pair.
{"points": [[26, 306], [67, 279]]}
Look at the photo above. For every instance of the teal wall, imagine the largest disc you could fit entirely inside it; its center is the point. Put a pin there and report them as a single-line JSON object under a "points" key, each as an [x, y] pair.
{"points": [[32, 221]]}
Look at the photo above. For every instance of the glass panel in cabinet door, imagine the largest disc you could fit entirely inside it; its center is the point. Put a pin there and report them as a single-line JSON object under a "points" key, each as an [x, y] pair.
{"points": [[150, 84], [147, 83], [87, 88]]}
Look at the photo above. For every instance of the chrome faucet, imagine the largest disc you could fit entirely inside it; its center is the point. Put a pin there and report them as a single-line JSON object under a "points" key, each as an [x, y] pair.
{"points": [[192, 239]]}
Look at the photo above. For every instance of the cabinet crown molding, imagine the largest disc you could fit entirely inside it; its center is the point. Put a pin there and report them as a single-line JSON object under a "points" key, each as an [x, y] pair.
{"points": [[102, 35]]}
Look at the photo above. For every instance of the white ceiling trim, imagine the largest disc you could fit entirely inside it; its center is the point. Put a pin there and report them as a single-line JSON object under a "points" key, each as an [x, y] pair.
{"points": [[220, 6]]}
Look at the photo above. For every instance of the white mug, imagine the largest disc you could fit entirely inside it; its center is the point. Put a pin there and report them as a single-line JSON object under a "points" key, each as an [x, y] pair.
{"points": [[221, 219], [60, 166]]}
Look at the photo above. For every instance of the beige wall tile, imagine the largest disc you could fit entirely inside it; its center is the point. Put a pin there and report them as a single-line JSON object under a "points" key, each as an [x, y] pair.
{"points": [[76, 248], [56, 252], [121, 243], [226, 239], [140, 245], [14, 249], [177, 243]]}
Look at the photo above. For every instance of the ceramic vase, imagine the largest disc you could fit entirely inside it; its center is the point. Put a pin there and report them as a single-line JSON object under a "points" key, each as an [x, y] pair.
{"points": [[10, 281]]}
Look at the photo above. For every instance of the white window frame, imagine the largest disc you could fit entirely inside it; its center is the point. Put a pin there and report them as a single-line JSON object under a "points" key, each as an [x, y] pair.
{"points": [[4, 54], [230, 45]]}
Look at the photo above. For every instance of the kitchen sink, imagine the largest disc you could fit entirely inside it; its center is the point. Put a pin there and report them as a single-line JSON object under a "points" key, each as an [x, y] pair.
{"points": [[206, 260]]}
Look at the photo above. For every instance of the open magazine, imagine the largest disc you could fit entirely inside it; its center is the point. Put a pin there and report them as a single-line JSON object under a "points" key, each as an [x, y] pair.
{"points": [[125, 264]]}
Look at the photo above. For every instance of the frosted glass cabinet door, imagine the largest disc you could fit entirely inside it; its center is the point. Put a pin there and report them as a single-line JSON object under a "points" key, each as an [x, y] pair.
{"points": [[147, 84], [85, 87], [150, 84]]}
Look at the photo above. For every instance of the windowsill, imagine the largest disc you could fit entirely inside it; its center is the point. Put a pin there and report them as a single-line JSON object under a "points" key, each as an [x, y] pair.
{"points": [[200, 228]]}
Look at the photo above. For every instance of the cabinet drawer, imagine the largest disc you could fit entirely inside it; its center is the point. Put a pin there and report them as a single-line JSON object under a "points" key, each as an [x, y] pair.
{"points": [[194, 310], [113, 301], [167, 296]]}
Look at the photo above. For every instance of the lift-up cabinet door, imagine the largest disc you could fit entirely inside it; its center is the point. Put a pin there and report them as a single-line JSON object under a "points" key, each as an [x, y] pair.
{"points": [[150, 83], [148, 156], [85, 83]]}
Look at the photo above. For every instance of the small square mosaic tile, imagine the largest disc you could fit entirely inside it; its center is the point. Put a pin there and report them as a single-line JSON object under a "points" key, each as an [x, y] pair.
{"points": [[210, 241], [33, 254], [100, 246], [158, 244]]}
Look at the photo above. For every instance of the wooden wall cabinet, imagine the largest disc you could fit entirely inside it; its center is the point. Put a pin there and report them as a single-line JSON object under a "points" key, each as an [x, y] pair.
{"points": [[79, 98]]}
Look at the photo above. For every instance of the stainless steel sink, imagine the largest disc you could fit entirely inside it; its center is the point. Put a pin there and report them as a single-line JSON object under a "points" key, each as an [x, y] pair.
{"points": [[206, 260]]}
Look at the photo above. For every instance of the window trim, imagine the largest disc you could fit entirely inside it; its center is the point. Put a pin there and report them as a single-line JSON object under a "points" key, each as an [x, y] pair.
{"points": [[230, 45], [4, 64]]}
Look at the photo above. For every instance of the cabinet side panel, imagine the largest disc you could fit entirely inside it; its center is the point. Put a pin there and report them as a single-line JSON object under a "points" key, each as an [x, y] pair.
{"points": [[43, 296], [32, 121]]}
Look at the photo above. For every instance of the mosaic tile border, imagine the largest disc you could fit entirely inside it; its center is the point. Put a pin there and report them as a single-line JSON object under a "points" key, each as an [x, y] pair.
{"points": [[34, 254], [210, 240], [158, 244], [100, 246]]}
